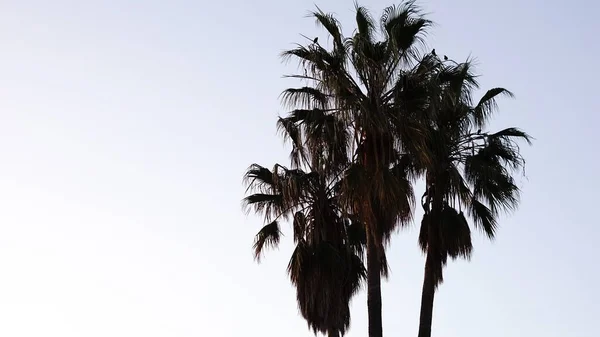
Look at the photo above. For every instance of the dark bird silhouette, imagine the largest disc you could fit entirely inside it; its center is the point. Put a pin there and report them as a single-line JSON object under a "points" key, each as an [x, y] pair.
{"points": [[479, 131], [433, 52], [316, 40], [445, 58]]}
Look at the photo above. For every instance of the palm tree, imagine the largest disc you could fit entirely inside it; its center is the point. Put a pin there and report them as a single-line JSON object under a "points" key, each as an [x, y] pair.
{"points": [[326, 266], [356, 83], [467, 170]]}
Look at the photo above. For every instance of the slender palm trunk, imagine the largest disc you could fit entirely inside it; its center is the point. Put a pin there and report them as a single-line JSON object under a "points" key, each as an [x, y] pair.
{"points": [[427, 296], [374, 288], [433, 269], [333, 333]]}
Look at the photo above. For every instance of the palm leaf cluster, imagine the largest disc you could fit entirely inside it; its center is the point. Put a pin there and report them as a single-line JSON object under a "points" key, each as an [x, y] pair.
{"points": [[372, 115]]}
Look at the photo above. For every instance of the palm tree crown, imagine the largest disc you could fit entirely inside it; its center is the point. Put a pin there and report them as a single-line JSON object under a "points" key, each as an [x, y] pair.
{"points": [[326, 266]]}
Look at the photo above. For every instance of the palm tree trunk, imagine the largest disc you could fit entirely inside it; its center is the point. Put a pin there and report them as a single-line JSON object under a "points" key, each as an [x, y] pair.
{"points": [[427, 297], [433, 268], [333, 333], [374, 288]]}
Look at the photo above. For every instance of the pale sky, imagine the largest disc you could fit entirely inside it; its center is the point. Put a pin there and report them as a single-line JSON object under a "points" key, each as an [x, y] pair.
{"points": [[125, 128]]}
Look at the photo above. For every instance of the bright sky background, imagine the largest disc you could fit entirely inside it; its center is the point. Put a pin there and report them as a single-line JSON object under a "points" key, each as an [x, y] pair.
{"points": [[125, 127]]}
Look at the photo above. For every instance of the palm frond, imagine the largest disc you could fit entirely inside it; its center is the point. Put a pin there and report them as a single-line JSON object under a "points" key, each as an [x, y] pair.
{"points": [[513, 132], [501, 193], [354, 189], [296, 264], [331, 24], [299, 226], [258, 178], [313, 59], [397, 193], [456, 234], [364, 23], [458, 186], [503, 144], [424, 233], [268, 237], [487, 105], [357, 238], [383, 264], [271, 205], [491, 181], [483, 218], [405, 27], [326, 277], [500, 148], [307, 97], [294, 185], [357, 273], [288, 129], [460, 81]]}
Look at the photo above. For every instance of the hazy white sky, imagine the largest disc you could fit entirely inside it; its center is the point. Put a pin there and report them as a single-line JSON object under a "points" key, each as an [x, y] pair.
{"points": [[125, 127]]}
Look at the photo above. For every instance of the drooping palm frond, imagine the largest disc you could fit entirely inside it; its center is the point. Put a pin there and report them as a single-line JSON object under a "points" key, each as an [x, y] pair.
{"points": [[504, 144], [491, 181], [483, 218], [292, 133], [357, 238], [267, 237], [326, 277], [456, 234], [299, 225]]}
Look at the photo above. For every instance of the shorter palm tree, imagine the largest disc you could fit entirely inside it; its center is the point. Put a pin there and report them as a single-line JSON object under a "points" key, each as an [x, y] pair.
{"points": [[468, 172], [326, 266]]}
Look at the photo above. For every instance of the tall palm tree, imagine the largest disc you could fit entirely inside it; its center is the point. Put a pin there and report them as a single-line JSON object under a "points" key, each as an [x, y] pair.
{"points": [[356, 81], [468, 171], [326, 266]]}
